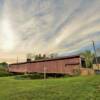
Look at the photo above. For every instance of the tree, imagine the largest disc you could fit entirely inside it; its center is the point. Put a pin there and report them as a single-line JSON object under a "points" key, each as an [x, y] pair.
{"points": [[89, 56], [40, 57], [53, 55], [44, 56], [37, 57], [3, 64], [29, 57]]}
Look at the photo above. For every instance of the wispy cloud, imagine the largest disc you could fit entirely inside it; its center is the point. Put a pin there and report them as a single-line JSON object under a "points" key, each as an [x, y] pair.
{"points": [[47, 26]]}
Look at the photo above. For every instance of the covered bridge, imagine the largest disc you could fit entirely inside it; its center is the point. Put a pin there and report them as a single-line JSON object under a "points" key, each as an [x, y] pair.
{"points": [[61, 65]]}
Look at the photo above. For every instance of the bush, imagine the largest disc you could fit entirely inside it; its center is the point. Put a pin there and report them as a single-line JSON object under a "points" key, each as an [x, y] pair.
{"points": [[4, 73], [30, 76], [40, 76]]}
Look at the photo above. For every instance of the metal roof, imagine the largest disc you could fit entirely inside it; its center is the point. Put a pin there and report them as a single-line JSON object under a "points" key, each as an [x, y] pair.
{"points": [[44, 60]]}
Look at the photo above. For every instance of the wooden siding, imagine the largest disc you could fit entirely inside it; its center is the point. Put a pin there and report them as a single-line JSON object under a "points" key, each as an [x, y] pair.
{"points": [[64, 66]]}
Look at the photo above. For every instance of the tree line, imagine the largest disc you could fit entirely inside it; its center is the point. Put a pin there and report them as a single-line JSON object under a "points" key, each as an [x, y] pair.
{"points": [[35, 57]]}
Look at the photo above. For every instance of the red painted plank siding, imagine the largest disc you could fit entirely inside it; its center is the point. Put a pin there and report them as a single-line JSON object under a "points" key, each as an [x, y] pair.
{"points": [[52, 66]]}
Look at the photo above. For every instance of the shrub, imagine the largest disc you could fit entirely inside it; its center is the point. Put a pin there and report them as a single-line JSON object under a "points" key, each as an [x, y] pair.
{"points": [[30, 76], [3, 72]]}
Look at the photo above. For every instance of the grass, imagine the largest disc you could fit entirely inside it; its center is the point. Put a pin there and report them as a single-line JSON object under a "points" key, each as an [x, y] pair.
{"points": [[72, 88]]}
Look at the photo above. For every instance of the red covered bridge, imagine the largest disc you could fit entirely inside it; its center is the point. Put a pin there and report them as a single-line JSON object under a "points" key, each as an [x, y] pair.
{"points": [[62, 65]]}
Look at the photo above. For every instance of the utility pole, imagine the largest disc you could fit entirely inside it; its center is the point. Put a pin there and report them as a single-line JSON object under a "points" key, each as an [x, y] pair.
{"points": [[95, 54]]}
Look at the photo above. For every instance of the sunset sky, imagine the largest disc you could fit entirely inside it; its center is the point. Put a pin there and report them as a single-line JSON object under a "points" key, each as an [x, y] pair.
{"points": [[47, 26]]}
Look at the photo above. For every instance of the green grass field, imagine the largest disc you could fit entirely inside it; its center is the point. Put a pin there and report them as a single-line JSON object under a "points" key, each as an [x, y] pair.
{"points": [[71, 88]]}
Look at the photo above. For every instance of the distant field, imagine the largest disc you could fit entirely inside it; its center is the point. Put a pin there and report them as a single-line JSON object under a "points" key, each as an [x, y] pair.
{"points": [[73, 88]]}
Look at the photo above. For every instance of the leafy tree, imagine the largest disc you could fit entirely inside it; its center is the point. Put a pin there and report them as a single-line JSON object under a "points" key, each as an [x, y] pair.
{"points": [[30, 56], [3, 64], [53, 55], [40, 56], [44, 56], [89, 56]]}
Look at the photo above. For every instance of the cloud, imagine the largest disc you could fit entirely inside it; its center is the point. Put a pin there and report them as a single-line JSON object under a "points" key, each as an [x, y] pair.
{"points": [[45, 26]]}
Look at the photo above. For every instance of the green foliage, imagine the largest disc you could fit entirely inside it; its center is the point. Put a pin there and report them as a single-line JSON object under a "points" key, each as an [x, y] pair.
{"points": [[3, 64], [40, 57], [31, 56], [30, 76], [53, 55], [88, 58], [4, 72], [72, 88]]}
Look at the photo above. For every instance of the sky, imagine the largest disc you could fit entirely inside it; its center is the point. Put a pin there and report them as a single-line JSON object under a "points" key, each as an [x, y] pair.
{"points": [[47, 26]]}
